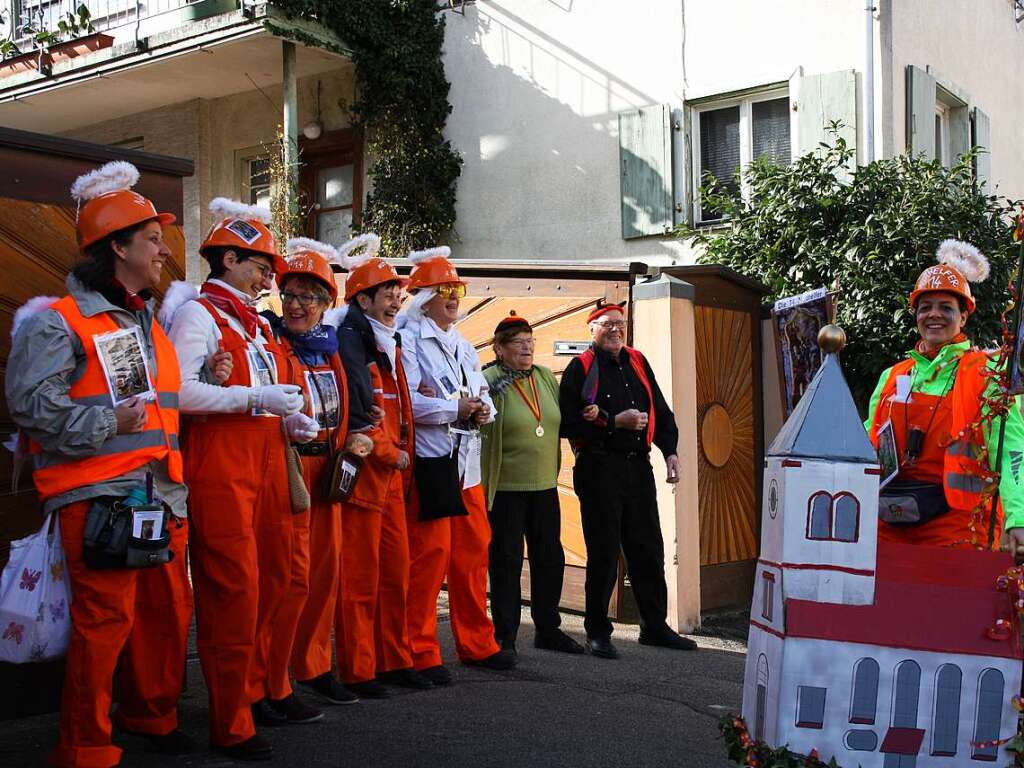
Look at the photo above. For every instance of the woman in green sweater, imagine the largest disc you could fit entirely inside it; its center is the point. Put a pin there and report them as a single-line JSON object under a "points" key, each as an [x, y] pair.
{"points": [[520, 461]]}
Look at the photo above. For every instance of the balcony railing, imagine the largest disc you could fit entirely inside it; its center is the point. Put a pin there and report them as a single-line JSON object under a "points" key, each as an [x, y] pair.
{"points": [[120, 18]]}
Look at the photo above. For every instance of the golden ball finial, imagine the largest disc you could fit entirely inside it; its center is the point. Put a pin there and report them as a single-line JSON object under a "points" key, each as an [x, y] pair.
{"points": [[831, 339]]}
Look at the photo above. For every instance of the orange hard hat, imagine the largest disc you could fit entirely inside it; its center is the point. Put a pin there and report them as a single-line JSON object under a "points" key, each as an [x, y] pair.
{"points": [[312, 259], [107, 203], [432, 267], [242, 227], [960, 264], [366, 269]]}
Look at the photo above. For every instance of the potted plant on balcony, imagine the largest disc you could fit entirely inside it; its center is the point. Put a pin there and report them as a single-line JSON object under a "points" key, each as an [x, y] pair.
{"points": [[73, 36]]}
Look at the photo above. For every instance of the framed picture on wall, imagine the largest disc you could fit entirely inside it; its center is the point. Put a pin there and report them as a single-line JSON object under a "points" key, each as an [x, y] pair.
{"points": [[796, 321]]}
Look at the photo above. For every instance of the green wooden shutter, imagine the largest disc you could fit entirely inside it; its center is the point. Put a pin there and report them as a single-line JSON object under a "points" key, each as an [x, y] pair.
{"points": [[823, 99], [920, 112], [983, 140], [645, 168], [959, 131]]}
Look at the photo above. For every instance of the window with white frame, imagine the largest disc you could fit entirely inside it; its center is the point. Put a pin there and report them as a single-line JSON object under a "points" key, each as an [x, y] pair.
{"points": [[943, 147], [253, 176], [729, 134]]}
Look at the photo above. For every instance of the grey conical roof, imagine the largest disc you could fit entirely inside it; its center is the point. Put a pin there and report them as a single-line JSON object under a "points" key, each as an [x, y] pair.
{"points": [[825, 423]]}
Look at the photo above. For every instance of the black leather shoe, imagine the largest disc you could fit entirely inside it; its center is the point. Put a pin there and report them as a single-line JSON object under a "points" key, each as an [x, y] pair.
{"points": [[327, 686], [666, 638], [438, 675], [602, 648], [177, 742], [369, 689], [557, 640], [265, 715], [253, 749], [501, 661], [295, 710], [405, 678]]}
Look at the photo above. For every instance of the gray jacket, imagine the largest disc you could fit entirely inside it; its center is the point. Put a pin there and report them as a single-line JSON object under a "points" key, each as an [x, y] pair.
{"points": [[46, 358]]}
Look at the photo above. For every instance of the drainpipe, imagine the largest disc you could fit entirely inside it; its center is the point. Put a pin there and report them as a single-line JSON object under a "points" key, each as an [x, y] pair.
{"points": [[290, 123], [869, 82]]}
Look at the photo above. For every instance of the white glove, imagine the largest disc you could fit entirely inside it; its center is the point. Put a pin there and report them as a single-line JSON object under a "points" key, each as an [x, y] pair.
{"points": [[301, 428], [280, 399]]}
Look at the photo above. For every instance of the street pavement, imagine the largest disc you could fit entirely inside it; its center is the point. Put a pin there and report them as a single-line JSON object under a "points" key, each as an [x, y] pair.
{"points": [[651, 707]]}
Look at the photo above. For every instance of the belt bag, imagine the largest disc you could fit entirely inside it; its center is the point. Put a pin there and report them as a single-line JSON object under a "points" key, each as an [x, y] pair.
{"points": [[910, 502], [341, 476], [439, 487], [110, 543]]}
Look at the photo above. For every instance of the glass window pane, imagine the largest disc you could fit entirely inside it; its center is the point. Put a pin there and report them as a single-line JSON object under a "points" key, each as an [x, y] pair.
{"points": [[865, 692], [719, 149], [861, 741], [259, 181], [810, 706], [946, 728], [334, 186], [334, 227], [990, 713], [847, 512], [771, 130], [820, 526], [908, 689]]}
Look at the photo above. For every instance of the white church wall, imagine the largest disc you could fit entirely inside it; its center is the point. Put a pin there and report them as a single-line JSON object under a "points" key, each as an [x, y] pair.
{"points": [[766, 606], [830, 665], [772, 506], [764, 666]]}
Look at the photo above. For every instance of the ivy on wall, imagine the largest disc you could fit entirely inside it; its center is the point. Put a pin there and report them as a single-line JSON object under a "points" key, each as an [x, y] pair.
{"points": [[402, 106]]}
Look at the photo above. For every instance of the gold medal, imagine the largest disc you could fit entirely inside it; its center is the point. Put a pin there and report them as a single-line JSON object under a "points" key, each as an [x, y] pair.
{"points": [[539, 431], [532, 403]]}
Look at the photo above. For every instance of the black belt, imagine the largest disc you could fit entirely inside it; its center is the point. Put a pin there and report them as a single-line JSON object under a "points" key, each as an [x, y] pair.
{"points": [[311, 449], [617, 454]]}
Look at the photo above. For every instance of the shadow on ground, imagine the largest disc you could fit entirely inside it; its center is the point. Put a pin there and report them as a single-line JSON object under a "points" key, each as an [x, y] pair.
{"points": [[652, 707]]}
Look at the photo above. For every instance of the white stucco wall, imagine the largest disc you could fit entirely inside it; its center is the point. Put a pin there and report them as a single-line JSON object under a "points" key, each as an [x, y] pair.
{"points": [[976, 47]]}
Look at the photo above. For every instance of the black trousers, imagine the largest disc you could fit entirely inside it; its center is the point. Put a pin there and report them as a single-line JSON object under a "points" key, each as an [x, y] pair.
{"points": [[535, 516], [619, 508]]}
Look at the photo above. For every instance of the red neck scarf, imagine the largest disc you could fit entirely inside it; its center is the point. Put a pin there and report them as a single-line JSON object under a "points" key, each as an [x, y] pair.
{"points": [[925, 351], [226, 301]]}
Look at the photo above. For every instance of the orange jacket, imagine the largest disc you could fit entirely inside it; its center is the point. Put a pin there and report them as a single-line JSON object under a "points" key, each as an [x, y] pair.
{"points": [[120, 453]]}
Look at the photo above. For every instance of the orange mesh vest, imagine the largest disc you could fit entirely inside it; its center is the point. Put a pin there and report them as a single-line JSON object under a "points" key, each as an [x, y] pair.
{"points": [[964, 478], [119, 454]]}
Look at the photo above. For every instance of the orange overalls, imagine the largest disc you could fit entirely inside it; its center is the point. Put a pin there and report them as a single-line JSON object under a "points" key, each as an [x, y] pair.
{"points": [[370, 630], [240, 512], [316, 550], [939, 417], [135, 620]]}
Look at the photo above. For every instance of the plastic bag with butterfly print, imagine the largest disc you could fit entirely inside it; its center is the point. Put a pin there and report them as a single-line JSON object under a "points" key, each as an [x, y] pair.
{"points": [[35, 598]]}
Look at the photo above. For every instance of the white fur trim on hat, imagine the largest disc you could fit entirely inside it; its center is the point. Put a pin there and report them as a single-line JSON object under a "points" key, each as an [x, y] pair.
{"points": [[418, 257], [178, 294], [965, 258], [223, 208], [30, 309], [112, 177], [297, 245], [368, 242]]}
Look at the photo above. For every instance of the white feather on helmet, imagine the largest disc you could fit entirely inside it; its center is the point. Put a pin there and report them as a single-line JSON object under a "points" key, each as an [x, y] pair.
{"points": [[418, 257], [114, 176], [297, 245], [964, 258], [367, 245], [223, 208]]}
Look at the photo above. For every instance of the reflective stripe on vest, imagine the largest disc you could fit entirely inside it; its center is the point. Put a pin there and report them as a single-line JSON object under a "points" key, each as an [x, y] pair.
{"points": [[119, 454]]}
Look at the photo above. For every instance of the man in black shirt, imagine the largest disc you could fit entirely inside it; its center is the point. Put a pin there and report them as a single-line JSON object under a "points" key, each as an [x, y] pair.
{"points": [[612, 413]]}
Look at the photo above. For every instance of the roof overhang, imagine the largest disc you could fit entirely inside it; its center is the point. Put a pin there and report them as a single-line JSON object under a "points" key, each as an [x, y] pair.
{"points": [[219, 56]]}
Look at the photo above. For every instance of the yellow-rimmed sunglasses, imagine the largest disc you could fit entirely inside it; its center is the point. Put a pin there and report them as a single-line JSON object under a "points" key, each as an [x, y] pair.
{"points": [[451, 291]]}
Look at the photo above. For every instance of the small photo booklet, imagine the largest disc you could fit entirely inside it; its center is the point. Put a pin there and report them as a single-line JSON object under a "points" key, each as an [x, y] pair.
{"points": [[324, 398], [888, 457], [124, 363], [147, 524]]}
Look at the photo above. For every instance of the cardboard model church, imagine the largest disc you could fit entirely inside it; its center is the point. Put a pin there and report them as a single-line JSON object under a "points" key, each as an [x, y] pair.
{"points": [[880, 655]]}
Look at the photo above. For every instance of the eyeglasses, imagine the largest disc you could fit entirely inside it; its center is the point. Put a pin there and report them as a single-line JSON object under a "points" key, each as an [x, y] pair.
{"points": [[451, 291], [304, 299], [612, 325], [521, 343], [266, 272]]}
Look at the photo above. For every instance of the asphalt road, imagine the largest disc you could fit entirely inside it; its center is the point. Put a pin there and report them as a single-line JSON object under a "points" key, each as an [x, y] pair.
{"points": [[652, 707]]}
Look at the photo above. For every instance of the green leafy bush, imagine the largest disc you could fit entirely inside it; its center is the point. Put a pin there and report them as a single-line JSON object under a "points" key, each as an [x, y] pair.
{"points": [[869, 233], [402, 106]]}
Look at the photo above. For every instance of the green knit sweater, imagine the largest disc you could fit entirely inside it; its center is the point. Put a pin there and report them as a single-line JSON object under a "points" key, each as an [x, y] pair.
{"points": [[513, 458]]}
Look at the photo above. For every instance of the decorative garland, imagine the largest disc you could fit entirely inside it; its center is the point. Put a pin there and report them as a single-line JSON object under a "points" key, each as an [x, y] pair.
{"points": [[743, 749], [402, 107]]}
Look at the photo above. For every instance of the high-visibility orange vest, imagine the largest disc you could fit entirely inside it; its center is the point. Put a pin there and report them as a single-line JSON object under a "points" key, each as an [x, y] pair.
{"points": [[118, 454], [964, 478]]}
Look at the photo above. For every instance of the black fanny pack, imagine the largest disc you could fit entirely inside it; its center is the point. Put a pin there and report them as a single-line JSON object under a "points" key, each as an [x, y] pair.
{"points": [[119, 535], [911, 502]]}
